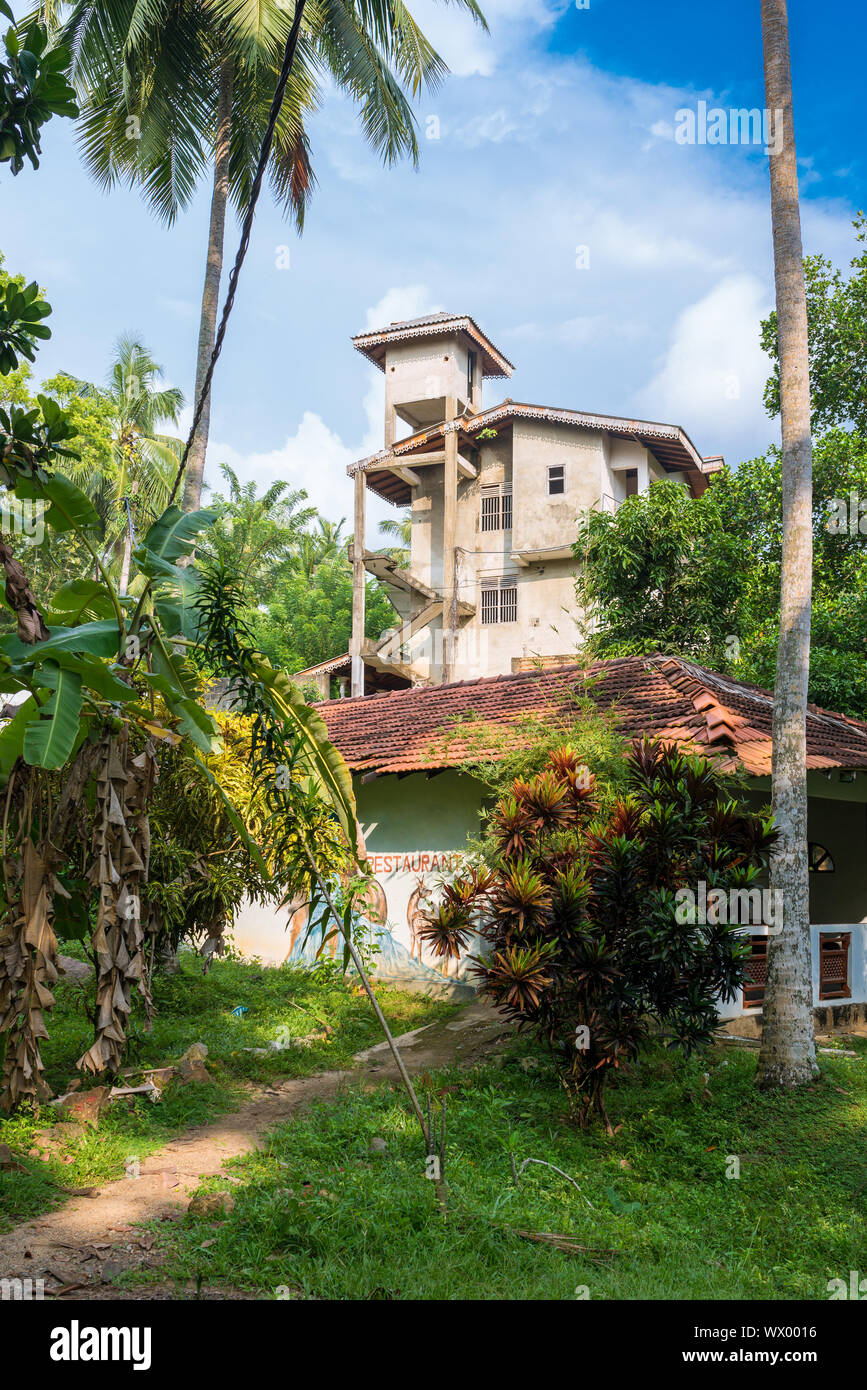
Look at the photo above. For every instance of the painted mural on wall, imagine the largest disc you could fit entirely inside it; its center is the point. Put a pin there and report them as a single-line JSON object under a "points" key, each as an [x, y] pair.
{"points": [[403, 887]]}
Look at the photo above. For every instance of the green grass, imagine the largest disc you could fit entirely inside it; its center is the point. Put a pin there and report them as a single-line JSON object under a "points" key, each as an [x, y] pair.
{"points": [[321, 1215], [192, 1008]]}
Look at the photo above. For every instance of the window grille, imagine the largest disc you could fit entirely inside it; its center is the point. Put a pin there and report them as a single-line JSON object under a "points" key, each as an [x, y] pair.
{"points": [[834, 965], [500, 605], [490, 606], [756, 973], [496, 509], [509, 604], [490, 511]]}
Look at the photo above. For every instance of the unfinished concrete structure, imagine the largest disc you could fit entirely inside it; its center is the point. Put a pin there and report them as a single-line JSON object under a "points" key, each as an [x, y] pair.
{"points": [[494, 496]]}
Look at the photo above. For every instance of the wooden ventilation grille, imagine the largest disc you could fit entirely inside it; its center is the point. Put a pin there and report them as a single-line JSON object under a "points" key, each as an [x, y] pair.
{"points": [[756, 973], [834, 965]]}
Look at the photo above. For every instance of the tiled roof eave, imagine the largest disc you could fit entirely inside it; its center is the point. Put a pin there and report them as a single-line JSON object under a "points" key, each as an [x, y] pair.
{"points": [[500, 366], [509, 409], [419, 729]]}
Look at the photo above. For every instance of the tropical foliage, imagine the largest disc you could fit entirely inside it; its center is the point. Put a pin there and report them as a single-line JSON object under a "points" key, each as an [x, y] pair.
{"points": [[837, 332], [700, 577], [659, 574], [308, 620], [33, 88], [171, 93], [104, 683], [579, 914]]}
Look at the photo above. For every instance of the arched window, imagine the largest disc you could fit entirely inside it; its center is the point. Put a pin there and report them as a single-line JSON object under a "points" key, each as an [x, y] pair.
{"points": [[820, 860]]}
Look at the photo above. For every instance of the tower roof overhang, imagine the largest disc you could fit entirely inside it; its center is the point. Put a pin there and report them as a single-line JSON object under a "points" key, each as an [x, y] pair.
{"points": [[373, 345]]}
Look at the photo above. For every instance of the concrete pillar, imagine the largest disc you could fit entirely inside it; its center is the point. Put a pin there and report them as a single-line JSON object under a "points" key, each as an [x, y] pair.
{"points": [[644, 473], [358, 577], [450, 518]]}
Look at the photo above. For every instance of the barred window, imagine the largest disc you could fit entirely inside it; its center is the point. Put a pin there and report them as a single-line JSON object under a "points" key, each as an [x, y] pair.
{"points": [[490, 511], [496, 509], [834, 965], [490, 606], [500, 605]]}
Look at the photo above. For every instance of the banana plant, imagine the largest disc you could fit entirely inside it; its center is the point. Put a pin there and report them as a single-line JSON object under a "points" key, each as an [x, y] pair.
{"points": [[103, 680]]}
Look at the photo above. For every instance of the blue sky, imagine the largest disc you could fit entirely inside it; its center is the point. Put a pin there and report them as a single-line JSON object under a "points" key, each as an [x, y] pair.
{"points": [[556, 131]]}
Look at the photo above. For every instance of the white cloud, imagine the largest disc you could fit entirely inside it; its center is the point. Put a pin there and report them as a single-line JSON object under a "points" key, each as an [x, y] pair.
{"points": [[495, 127], [314, 458], [465, 46], [539, 152], [401, 302], [714, 371]]}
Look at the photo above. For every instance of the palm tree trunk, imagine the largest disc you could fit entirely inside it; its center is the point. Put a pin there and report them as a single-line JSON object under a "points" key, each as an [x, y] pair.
{"points": [[211, 292], [788, 1052], [126, 561], [123, 582]]}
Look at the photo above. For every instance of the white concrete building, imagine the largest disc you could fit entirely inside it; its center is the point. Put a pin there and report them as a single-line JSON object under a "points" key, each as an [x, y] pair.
{"points": [[494, 494]]}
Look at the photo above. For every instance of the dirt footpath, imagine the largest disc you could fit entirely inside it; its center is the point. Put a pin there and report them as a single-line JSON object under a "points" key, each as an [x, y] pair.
{"points": [[79, 1249]]}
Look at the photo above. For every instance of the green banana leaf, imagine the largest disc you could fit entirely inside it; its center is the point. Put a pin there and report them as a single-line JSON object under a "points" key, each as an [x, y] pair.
{"points": [[97, 639], [98, 677], [70, 509], [12, 737], [322, 760], [171, 537], [196, 724], [49, 739], [80, 598]]}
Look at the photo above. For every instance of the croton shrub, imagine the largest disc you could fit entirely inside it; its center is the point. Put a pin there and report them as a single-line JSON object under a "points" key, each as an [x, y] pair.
{"points": [[580, 913]]}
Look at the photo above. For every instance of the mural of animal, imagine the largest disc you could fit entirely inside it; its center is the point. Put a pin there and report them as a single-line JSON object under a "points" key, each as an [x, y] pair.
{"points": [[415, 916], [375, 902]]}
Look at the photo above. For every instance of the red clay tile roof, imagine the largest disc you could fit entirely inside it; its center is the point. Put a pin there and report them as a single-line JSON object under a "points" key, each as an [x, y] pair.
{"points": [[665, 697]]}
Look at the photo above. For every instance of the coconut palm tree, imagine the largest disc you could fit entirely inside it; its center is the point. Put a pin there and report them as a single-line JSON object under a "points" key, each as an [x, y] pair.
{"points": [[136, 486], [400, 529], [319, 546], [255, 535], [172, 90], [788, 1051]]}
